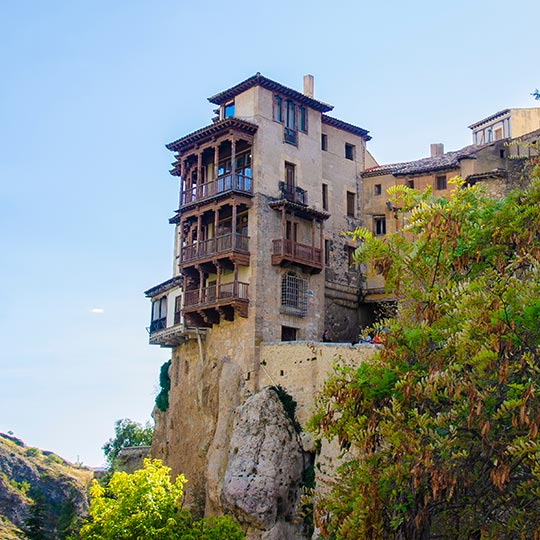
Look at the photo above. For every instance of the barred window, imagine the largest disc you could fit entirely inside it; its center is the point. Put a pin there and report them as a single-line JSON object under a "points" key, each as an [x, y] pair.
{"points": [[293, 295]]}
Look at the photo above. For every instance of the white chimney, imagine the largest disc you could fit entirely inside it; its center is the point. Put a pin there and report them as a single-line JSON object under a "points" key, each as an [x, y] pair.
{"points": [[309, 85], [437, 149]]}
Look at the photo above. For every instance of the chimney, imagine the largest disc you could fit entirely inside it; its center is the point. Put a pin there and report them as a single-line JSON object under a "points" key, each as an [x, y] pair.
{"points": [[309, 85], [437, 149]]}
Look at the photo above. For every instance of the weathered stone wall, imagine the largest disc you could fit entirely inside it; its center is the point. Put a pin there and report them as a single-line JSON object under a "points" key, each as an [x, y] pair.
{"points": [[301, 368]]}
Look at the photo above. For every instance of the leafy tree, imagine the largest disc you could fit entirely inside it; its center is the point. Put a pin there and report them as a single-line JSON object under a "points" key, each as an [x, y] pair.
{"points": [[442, 424], [127, 433], [162, 399], [146, 505], [536, 94], [35, 524]]}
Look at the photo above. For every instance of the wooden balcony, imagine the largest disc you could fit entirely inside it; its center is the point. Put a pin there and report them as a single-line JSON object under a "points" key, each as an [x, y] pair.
{"points": [[294, 194], [204, 307], [235, 246], [285, 252], [223, 185]]}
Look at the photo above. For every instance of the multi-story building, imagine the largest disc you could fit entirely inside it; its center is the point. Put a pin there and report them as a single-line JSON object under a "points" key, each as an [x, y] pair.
{"points": [[265, 191], [506, 124]]}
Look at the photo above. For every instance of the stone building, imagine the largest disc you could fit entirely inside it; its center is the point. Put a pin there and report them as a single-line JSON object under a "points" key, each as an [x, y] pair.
{"points": [[497, 160], [259, 262], [266, 189]]}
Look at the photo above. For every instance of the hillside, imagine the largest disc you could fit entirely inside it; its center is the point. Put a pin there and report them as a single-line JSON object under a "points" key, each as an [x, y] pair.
{"points": [[38, 488]]}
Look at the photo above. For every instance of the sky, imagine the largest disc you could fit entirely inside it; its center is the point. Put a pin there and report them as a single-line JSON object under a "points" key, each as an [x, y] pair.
{"points": [[90, 93]]}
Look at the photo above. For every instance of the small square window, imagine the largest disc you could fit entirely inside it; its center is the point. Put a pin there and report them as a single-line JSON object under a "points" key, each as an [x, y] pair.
{"points": [[410, 183], [229, 110], [325, 196], [324, 141], [379, 225], [351, 203], [349, 151], [288, 333], [440, 182], [378, 189]]}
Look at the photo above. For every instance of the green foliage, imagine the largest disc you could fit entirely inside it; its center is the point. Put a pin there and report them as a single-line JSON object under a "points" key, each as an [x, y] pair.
{"points": [[289, 405], [162, 399], [126, 433], [147, 505], [442, 424]]}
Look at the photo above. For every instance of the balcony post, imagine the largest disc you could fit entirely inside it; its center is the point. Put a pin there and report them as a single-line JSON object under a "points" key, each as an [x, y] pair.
{"points": [[199, 175], [235, 285], [233, 228], [216, 161], [201, 275], [218, 281], [216, 220], [233, 161], [198, 249]]}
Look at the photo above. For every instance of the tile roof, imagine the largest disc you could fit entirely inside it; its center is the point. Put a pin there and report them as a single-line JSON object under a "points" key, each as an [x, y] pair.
{"points": [[340, 124], [163, 287], [260, 80], [489, 118], [449, 160], [212, 129]]}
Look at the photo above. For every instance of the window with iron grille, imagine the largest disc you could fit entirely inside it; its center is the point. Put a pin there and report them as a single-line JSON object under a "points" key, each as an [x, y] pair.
{"points": [[293, 295]]}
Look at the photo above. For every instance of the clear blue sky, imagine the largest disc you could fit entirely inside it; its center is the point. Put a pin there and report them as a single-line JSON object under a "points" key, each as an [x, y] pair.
{"points": [[91, 91]]}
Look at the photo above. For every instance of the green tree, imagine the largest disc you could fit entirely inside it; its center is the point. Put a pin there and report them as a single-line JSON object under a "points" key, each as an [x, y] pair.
{"points": [[441, 426], [127, 433], [146, 505]]}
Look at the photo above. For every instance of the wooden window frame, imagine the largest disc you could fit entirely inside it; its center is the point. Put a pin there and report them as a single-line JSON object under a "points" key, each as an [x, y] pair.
{"points": [[325, 196], [351, 203]]}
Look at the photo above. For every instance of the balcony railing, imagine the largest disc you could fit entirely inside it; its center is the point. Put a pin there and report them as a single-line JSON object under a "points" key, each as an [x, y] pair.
{"points": [[291, 251], [212, 295], [223, 184], [215, 246], [158, 324], [294, 194]]}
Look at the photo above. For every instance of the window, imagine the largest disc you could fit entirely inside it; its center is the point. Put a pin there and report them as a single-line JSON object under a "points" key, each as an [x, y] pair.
{"points": [[440, 182], [302, 119], [290, 177], [278, 109], [293, 295], [324, 141], [498, 134], [178, 310], [378, 189], [501, 154], [327, 247], [295, 118], [351, 204], [349, 151], [489, 135], [288, 333], [325, 196], [159, 314], [410, 183], [229, 110], [379, 225]]}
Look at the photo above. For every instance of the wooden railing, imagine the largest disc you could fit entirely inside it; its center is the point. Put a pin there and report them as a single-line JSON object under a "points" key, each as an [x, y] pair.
{"points": [[214, 246], [207, 296], [297, 252], [223, 184]]}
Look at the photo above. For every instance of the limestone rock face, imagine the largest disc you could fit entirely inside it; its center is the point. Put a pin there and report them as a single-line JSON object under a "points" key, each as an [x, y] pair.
{"points": [[264, 470]]}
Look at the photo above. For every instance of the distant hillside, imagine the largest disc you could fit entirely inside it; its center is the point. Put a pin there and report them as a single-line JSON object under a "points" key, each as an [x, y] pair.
{"points": [[39, 490]]}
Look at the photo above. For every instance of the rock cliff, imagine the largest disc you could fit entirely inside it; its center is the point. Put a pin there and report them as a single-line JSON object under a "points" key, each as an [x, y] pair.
{"points": [[38, 485]]}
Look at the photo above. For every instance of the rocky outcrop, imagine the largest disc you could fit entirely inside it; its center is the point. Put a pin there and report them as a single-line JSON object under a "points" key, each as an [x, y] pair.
{"points": [[31, 479], [265, 467]]}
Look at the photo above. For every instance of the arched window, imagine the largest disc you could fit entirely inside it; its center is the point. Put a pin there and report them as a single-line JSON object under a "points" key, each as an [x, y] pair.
{"points": [[293, 295]]}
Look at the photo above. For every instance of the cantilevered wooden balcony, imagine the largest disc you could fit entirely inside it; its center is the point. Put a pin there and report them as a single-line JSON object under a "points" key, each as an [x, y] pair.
{"points": [[205, 306], [223, 185], [233, 246], [285, 252]]}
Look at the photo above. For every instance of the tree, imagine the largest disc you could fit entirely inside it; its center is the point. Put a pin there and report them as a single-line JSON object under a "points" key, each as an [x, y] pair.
{"points": [[441, 426], [536, 94], [127, 433], [146, 505]]}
